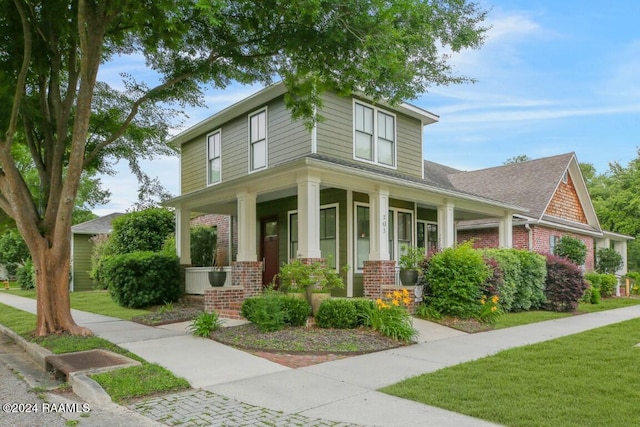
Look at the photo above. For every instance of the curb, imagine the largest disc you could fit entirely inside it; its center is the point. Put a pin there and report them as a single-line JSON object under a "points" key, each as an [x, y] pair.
{"points": [[83, 386]]}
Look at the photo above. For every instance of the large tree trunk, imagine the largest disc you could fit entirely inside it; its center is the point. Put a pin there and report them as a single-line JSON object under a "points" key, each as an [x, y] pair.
{"points": [[51, 265]]}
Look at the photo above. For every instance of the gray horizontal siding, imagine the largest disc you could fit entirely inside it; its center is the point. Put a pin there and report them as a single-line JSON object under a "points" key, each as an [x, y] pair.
{"points": [[335, 135]]}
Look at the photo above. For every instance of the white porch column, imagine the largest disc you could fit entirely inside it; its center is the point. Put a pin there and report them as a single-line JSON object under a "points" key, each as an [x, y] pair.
{"points": [[379, 225], [505, 231], [183, 235], [308, 217], [247, 227], [446, 225]]}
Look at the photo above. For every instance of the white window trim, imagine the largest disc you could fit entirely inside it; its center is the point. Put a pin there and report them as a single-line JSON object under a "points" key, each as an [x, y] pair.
{"points": [[426, 237], [219, 131], [328, 206], [375, 135], [395, 211], [414, 229], [266, 139]]}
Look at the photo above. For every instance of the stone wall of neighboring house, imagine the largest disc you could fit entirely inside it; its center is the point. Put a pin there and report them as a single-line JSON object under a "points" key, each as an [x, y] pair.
{"points": [[483, 238], [224, 225], [566, 204]]}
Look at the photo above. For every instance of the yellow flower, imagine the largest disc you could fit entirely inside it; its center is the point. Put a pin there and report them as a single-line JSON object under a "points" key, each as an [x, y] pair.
{"points": [[389, 295], [483, 300], [495, 299], [379, 301], [494, 308], [406, 301], [405, 293], [397, 294], [395, 302]]}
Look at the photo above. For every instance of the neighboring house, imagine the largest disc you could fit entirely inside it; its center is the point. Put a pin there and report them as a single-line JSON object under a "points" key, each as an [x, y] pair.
{"points": [[82, 247], [351, 190], [555, 195]]}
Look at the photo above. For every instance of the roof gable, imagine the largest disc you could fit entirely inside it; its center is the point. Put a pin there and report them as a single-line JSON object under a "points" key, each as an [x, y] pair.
{"points": [[536, 185]]}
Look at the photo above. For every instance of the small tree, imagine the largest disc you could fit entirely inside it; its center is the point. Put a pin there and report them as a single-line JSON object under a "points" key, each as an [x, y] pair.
{"points": [[608, 261], [572, 249], [142, 230], [565, 284]]}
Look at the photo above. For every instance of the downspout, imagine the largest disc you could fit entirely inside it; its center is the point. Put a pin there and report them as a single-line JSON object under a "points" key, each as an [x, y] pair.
{"points": [[530, 230]]}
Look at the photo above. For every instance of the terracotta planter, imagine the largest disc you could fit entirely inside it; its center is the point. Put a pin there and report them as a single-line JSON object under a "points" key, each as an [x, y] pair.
{"points": [[316, 300]]}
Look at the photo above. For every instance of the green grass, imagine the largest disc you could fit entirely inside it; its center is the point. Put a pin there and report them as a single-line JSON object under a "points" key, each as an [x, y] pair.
{"points": [[121, 384], [98, 302], [19, 321], [587, 379], [138, 381], [525, 317]]}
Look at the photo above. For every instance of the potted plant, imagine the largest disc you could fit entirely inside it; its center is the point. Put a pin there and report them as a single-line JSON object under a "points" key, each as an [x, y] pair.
{"points": [[313, 280], [217, 275], [410, 264]]}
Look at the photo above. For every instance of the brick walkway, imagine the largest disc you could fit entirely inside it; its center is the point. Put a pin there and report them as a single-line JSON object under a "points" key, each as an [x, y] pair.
{"points": [[203, 408]]}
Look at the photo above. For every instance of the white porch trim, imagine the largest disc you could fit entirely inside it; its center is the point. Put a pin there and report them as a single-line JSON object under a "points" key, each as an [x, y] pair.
{"points": [[247, 248], [379, 225]]}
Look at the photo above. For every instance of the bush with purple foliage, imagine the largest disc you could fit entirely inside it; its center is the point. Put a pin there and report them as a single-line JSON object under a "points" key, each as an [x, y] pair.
{"points": [[565, 284]]}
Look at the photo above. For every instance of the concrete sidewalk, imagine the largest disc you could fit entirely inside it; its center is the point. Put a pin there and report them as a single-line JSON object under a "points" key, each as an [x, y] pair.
{"points": [[343, 391]]}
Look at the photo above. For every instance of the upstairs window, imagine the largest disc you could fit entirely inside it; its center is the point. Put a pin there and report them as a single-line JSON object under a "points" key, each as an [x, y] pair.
{"points": [[213, 157], [258, 140], [374, 135]]}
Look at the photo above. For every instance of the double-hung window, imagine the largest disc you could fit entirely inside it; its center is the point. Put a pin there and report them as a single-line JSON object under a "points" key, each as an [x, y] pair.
{"points": [[214, 151], [374, 135], [258, 140], [328, 234]]}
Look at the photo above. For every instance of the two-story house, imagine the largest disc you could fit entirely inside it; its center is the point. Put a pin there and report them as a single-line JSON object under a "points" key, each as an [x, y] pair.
{"points": [[351, 190]]}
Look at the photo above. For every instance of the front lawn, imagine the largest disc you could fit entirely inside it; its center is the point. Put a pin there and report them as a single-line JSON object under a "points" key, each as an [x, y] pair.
{"points": [[98, 302], [587, 379]]}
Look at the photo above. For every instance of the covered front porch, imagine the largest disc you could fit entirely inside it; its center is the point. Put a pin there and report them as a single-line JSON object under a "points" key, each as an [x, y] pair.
{"points": [[319, 209]]}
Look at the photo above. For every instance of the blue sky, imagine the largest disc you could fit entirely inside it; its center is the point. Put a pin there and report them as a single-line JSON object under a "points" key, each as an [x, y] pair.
{"points": [[552, 77]]}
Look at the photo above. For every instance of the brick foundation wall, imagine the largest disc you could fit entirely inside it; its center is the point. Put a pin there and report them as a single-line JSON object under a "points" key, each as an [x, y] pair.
{"points": [[226, 301], [376, 275], [248, 275]]}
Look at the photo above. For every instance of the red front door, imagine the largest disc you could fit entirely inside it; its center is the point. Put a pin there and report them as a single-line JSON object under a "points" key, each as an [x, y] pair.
{"points": [[269, 250]]}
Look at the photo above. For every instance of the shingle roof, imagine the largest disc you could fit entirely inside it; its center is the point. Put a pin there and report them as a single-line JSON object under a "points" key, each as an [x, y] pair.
{"points": [[100, 225], [530, 184]]}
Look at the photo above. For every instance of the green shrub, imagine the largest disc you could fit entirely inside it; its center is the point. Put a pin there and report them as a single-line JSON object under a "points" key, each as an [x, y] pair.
{"points": [[634, 278], [13, 251], [141, 279], [605, 283], [456, 276], [101, 248], [25, 275], [533, 274], [572, 249], [337, 313], [608, 261], [265, 311], [391, 321], [203, 246], [509, 264], [362, 305], [204, 324], [565, 284], [595, 296], [142, 230], [272, 311], [588, 295], [297, 310]]}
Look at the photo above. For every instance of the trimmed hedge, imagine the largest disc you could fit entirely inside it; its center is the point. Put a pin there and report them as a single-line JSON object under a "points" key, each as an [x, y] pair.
{"points": [[142, 230], [533, 274], [565, 284], [273, 311], [337, 313], [141, 279]]}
